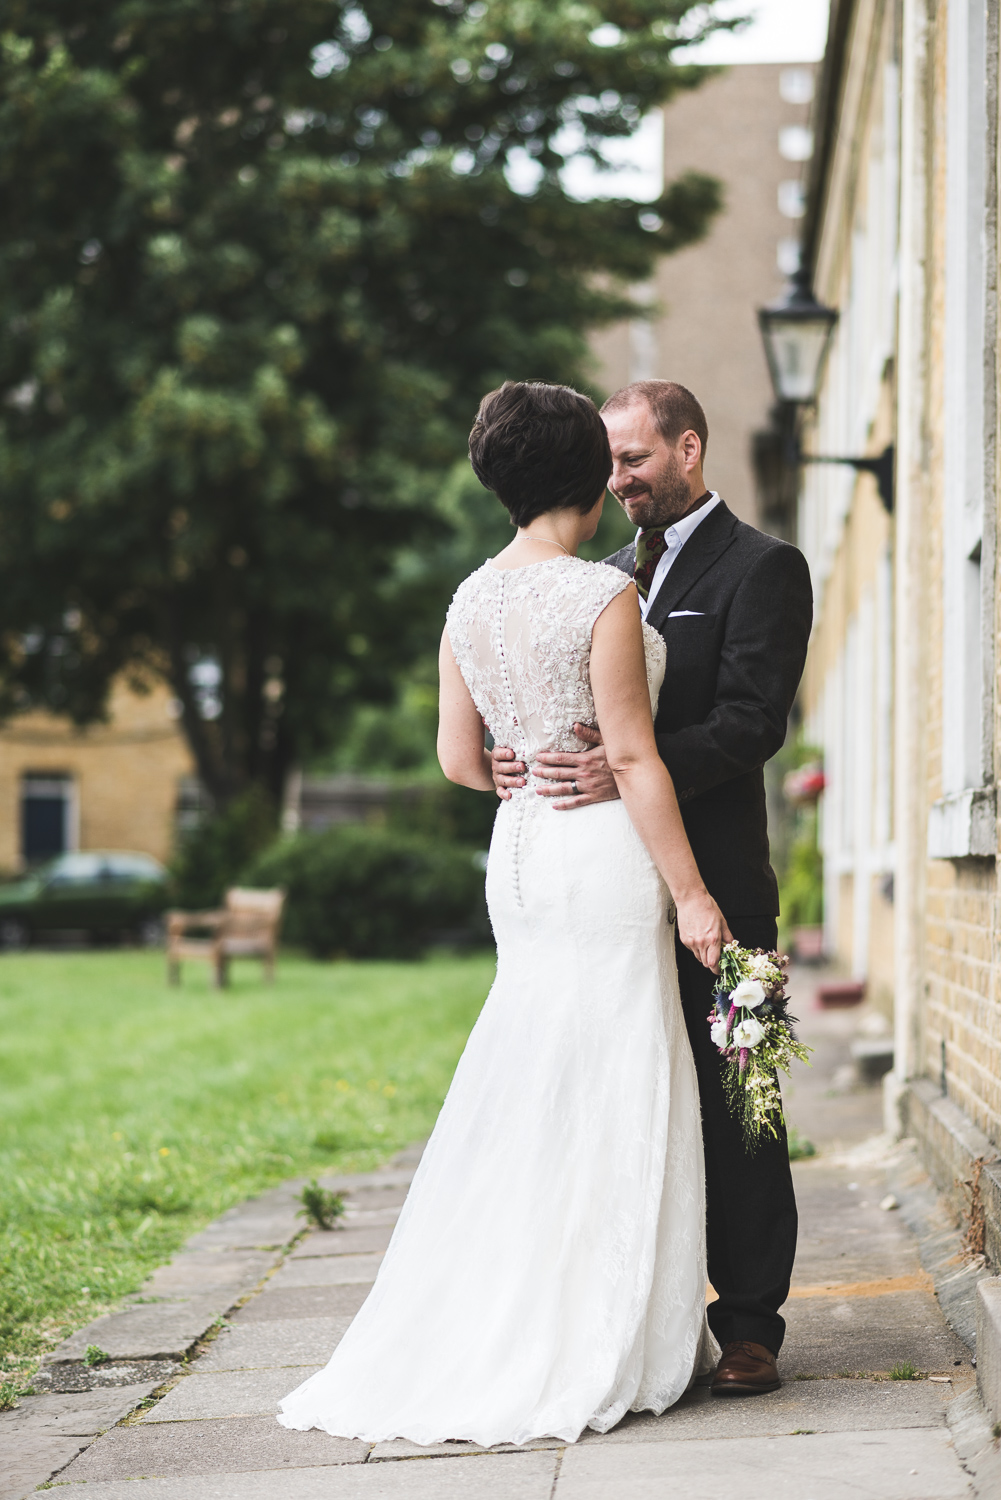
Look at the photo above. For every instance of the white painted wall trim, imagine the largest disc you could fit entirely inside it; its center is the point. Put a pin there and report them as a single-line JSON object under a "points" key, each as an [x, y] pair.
{"points": [[964, 825]]}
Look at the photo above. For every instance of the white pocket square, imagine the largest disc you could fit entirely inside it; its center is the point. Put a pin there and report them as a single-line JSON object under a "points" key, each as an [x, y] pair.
{"points": [[676, 614]]}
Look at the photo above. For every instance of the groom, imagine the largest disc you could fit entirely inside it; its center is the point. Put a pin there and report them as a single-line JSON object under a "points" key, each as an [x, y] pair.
{"points": [[735, 609]]}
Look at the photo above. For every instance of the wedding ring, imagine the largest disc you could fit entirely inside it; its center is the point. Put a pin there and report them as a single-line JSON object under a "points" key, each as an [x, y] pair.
{"points": [[574, 788]]}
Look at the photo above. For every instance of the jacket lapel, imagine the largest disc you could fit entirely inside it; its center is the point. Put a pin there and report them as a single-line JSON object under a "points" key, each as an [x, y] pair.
{"points": [[708, 542]]}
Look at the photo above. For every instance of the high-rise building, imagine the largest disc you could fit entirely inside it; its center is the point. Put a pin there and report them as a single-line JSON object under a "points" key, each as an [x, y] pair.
{"points": [[748, 126]]}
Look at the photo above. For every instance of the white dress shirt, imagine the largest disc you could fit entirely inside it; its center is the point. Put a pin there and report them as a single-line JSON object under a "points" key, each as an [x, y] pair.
{"points": [[676, 536]]}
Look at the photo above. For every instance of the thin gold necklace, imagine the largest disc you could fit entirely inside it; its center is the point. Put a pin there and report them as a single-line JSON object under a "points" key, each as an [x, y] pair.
{"points": [[528, 537]]}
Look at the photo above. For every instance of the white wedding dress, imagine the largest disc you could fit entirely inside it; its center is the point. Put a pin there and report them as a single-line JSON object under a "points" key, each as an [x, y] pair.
{"points": [[548, 1270]]}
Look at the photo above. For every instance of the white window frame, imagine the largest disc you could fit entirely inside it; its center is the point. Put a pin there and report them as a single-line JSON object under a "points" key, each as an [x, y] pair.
{"points": [[962, 823]]}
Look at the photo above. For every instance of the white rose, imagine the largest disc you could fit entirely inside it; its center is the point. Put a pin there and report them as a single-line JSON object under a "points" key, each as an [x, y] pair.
{"points": [[750, 993], [718, 1033], [747, 1033]]}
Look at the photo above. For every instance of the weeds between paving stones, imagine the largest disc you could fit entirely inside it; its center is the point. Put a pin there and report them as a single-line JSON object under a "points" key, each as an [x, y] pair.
{"points": [[321, 1207], [904, 1370], [976, 1220], [94, 1355], [11, 1392]]}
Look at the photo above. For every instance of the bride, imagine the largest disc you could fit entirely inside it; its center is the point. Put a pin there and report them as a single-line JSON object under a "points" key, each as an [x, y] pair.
{"points": [[547, 1272]]}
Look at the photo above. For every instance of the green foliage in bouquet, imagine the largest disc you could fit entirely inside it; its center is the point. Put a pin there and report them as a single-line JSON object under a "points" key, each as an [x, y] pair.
{"points": [[752, 1028]]}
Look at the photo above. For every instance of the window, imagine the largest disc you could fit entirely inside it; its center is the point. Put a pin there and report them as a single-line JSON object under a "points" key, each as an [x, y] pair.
{"points": [[796, 142], [962, 822], [46, 816], [792, 202], [796, 85]]}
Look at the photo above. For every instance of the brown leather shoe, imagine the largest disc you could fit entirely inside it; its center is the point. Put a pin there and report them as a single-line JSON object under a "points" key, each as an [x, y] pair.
{"points": [[745, 1369]]}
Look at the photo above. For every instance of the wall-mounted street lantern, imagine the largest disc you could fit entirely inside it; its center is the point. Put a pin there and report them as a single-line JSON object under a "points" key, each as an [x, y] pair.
{"points": [[797, 333]]}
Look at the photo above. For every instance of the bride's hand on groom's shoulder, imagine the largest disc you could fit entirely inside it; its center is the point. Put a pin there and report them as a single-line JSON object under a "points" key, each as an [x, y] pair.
{"points": [[702, 928]]}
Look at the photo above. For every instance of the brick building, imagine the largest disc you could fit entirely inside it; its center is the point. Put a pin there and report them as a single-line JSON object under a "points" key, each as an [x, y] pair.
{"points": [[112, 786], [902, 682]]}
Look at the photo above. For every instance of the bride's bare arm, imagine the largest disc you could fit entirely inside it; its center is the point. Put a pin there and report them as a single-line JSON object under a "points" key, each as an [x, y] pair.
{"points": [[461, 752], [622, 706]]}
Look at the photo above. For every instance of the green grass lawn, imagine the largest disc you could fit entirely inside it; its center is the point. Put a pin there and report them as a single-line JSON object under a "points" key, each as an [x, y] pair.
{"points": [[131, 1114]]}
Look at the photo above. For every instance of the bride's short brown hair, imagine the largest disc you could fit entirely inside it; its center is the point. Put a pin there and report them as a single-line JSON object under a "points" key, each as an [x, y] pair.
{"points": [[539, 448]]}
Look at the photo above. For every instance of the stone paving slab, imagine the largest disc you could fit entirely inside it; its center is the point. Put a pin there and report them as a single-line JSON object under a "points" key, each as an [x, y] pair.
{"points": [[303, 1302], [377, 1198], [264, 1223], [202, 1271], [842, 1225], [370, 1239], [384, 1180], [329, 1270], [82, 1414], [368, 1218], [828, 1335], [285, 1341], [509, 1476], [158, 1330], [900, 1465], [821, 1405], [236, 1445], [402, 1448], [228, 1393], [26, 1464]]}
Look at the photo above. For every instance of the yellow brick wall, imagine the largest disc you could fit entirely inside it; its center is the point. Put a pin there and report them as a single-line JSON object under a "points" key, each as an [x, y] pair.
{"points": [[125, 773], [960, 1002]]}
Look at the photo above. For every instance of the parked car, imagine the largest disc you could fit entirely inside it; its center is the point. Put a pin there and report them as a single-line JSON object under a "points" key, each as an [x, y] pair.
{"points": [[104, 893]]}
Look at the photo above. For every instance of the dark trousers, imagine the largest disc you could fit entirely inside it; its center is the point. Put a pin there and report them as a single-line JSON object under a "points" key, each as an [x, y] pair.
{"points": [[751, 1215]]}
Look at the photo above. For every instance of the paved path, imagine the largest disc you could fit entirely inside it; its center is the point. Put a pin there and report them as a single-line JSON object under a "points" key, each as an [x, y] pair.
{"points": [[862, 1302]]}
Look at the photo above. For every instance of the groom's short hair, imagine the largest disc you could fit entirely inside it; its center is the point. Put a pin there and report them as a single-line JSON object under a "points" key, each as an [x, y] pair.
{"points": [[540, 448], [673, 407]]}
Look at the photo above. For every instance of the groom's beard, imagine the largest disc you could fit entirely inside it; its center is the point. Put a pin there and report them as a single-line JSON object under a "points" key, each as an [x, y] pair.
{"points": [[658, 504]]}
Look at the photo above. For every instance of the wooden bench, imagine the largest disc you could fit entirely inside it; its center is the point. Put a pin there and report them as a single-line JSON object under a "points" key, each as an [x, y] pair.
{"points": [[246, 927]]}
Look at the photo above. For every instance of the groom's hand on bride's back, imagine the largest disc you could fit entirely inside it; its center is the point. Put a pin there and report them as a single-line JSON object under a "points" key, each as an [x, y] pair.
{"points": [[559, 774], [588, 772]]}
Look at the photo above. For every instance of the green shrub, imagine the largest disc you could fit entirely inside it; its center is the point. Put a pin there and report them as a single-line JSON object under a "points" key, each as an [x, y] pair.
{"points": [[442, 810], [799, 1146], [801, 889], [368, 892], [214, 855]]}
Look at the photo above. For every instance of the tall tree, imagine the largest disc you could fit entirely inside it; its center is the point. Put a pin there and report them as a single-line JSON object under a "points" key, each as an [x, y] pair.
{"points": [[260, 258]]}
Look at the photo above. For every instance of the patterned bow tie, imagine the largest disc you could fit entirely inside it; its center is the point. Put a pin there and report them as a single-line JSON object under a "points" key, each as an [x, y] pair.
{"points": [[650, 548]]}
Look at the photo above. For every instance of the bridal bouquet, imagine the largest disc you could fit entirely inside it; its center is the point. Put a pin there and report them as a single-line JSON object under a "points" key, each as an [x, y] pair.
{"points": [[750, 1025]]}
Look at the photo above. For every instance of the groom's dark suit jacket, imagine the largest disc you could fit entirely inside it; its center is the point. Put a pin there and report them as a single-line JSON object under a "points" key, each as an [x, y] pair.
{"points": [[732, 673]]}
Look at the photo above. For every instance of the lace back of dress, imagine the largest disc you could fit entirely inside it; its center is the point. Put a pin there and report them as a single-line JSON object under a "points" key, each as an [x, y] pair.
{"points": [[522, 640]]}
